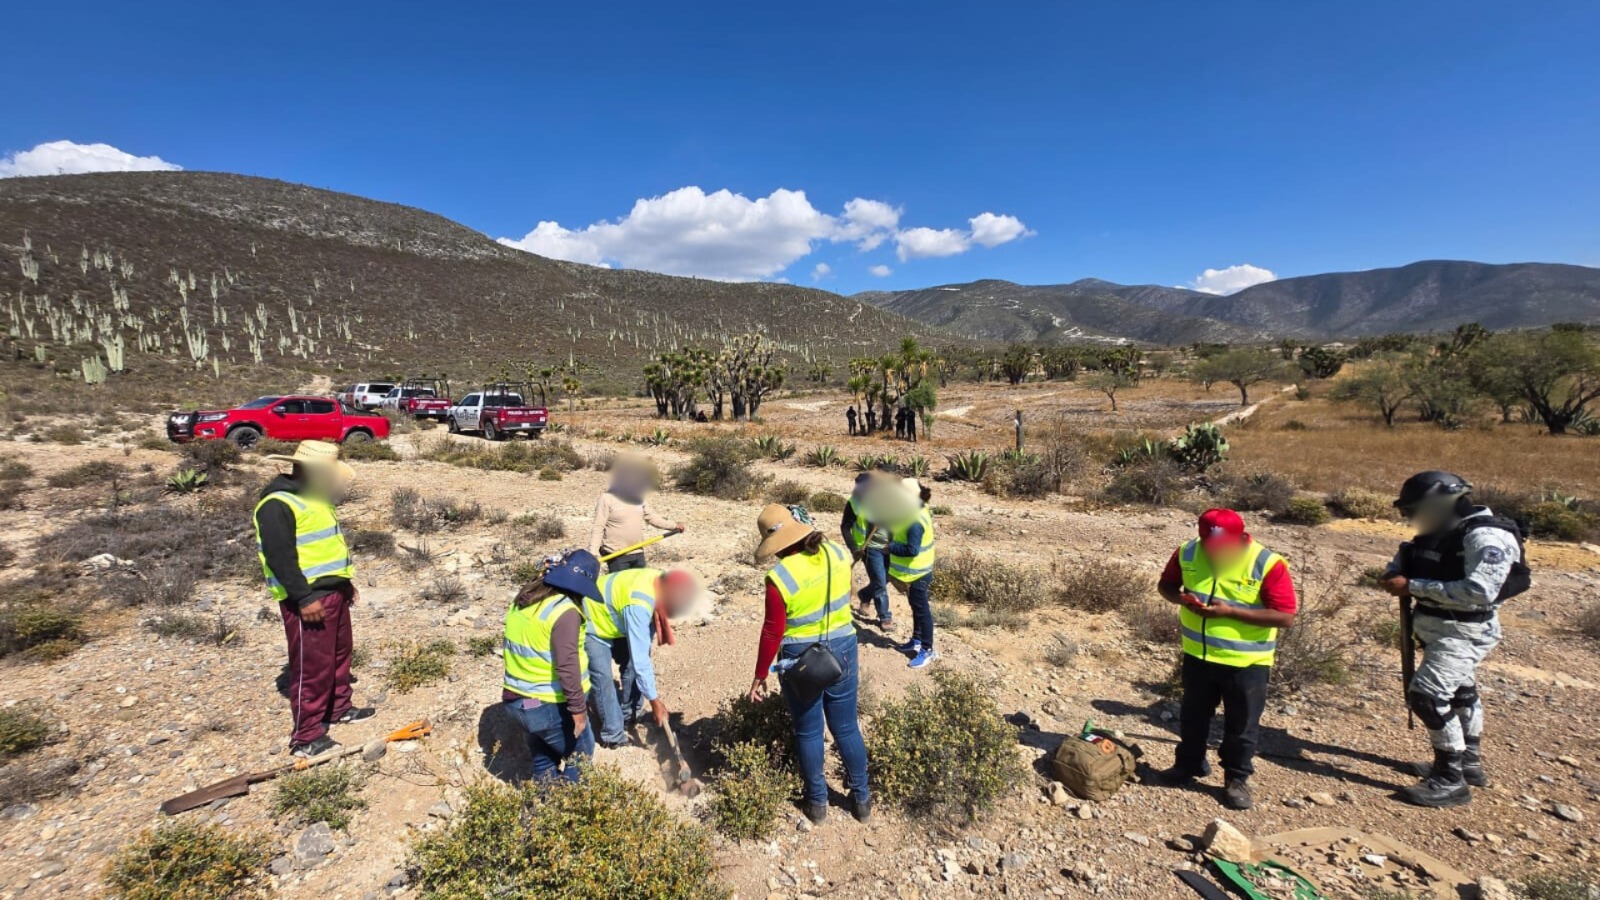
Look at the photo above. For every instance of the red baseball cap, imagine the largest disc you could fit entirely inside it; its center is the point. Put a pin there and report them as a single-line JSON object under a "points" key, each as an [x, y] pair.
{"points": [[1221, 526]]}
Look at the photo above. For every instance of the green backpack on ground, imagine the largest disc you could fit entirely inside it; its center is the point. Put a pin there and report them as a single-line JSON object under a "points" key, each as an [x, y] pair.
{"points": [[1094, 764]]}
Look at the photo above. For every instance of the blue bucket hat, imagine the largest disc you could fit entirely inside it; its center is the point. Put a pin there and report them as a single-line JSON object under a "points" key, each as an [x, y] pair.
{"points": [[576, 574]]}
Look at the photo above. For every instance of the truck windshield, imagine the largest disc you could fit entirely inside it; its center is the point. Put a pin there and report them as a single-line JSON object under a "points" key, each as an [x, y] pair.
{"points": [[502, 399], [260, 403]]}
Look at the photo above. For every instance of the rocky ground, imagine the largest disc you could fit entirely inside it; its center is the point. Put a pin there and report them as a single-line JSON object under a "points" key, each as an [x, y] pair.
{"points": [[147, 718]]}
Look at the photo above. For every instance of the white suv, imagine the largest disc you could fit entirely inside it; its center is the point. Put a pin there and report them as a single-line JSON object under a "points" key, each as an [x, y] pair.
{"points": [[367, 394]]}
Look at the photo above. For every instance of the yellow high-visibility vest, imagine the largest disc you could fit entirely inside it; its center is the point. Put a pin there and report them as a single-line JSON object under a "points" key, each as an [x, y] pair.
{"points": [[620, 590], [1227, 641], [529, 660], [858, 527], [815, 588], [911, 568], [319, 541]]}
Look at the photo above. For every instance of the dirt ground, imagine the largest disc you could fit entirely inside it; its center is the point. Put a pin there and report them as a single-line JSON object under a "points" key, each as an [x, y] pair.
{"points": [[152, 717]]}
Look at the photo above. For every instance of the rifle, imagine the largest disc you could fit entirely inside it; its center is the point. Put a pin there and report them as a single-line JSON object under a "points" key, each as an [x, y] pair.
{"points": [[239, 785], [1408, 644]]}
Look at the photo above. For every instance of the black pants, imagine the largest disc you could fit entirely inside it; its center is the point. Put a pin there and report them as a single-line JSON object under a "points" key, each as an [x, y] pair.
{"points": [[634, 560], [1242, 691]]}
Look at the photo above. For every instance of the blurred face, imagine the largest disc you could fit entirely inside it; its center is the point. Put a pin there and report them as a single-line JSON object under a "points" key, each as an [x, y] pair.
{"points": [[678, 593], [1433, 514], [324, 482], [1224, 553], [631, 477]]}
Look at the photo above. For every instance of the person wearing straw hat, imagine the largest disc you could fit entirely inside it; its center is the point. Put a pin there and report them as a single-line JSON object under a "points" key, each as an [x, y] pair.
{"points": [[808, 616], [546, 682], [308, 570]]}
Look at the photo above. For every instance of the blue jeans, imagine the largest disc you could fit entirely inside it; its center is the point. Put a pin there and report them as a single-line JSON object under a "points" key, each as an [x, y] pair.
{"points": [[876, 562], [551, 738], [921, 610], [615, 707], [634, 560], [836, 706]]}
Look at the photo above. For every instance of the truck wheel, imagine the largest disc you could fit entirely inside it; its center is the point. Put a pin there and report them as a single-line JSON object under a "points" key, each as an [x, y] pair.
{"points": [[452, 427], [358, 437], [489, 432], [244, 437]]}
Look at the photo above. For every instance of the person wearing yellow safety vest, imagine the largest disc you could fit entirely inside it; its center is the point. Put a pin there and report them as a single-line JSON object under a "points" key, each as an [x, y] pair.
{"points": [[308, 570], [867, 541], [911, 563], [1233, 595], [546, 684], [622, 626], [808, 606]]}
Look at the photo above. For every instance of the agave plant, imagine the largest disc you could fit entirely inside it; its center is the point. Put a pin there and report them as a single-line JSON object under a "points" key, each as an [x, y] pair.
{"points": [[916, 467], [1145, 450], [821, 457], [658, 438], [773, 447], [1570, 501], [967, 465], [1013, 457], [866, 462], [187, 481]]}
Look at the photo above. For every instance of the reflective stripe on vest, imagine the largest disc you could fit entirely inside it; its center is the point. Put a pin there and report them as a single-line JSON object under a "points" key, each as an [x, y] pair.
{"points": [[530, 662], [630, 587], [858, 526], [911, 568], [1223, 640], [319, 541], [816, 606]]}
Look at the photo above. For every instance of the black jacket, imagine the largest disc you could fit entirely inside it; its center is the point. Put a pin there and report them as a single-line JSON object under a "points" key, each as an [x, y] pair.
{"points": [[275, 520]]}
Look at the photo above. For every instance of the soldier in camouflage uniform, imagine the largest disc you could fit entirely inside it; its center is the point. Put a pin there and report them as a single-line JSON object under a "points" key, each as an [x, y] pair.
{"points": [[1464, 562]]}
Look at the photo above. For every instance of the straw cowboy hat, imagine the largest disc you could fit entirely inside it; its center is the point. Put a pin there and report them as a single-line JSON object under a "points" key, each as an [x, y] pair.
{"points": [[779, 530], [317, 454]]}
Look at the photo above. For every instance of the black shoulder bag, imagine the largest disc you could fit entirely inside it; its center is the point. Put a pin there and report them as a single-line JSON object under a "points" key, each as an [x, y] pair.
{"points": [[817, 668]]}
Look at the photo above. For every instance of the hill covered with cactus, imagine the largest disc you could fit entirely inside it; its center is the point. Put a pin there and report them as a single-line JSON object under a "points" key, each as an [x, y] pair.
{"points": [[193, 276]]}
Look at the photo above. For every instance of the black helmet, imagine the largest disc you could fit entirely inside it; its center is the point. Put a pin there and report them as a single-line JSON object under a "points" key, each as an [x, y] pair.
{"points": [[1425, 485]]}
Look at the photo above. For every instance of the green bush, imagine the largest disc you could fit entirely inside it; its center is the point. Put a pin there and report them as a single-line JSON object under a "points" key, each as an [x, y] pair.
{"points": [[765, 723], [65, 434], [483, 645], [749, 792], [42, 631], [944, 751], [1355, 503], [1305, 510], [1257, 492], [1588, 622], [1153, 620], [1023, 476], [96, 471], [14, 469], [328, 793], [1558, 521], [22, 729], [718, 467], [368, 451], [415, 664], [789, 493], [979, 580], [1156, 481], [211, 457], [188, 861], [370, 540], [1556, 885], [827, 502], [541, 526], [1099, 586], [603, 838]]}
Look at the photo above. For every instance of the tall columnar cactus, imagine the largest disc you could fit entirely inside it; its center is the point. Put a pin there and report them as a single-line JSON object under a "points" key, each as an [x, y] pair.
{"points": [[199, 346], [94, 371], [116, 352]]}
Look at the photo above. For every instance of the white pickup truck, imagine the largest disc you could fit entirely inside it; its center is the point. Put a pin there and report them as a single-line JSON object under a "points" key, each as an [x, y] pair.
{"points": [[498, 411]]}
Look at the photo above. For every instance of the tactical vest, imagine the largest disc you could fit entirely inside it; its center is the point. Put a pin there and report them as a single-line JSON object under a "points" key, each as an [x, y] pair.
{"points": [[530, 662], [1443, 556], [1221, 640], [815, 588], [319, 541], [620, 590], [912, 568]]}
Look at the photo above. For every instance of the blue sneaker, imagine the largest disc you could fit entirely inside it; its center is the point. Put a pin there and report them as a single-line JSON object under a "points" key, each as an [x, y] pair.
{"points": [[911, 647], [923, 658]]}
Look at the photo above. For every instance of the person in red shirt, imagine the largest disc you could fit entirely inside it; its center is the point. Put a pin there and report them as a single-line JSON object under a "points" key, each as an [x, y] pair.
{"points": [[1233, 595]]}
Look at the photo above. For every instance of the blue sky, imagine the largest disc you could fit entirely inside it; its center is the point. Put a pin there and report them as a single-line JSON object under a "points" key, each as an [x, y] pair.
{"points": [[1138, 142]]}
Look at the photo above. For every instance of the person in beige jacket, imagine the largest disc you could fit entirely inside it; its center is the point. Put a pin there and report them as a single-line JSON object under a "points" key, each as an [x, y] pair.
{"points": [[622, 514]]}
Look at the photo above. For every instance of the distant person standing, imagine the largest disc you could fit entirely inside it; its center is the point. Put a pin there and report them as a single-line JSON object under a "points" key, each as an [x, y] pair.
{"points": [[622, 514], [911, 425], [872, 419], [900, 422], [850, 417]]}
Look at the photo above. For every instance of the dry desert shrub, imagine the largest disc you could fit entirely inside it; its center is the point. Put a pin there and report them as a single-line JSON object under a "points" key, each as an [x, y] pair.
{"points": [[1099, 586]]}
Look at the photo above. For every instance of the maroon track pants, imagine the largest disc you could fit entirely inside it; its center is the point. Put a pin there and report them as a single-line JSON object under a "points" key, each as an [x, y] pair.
{"points": [[319, 665]]}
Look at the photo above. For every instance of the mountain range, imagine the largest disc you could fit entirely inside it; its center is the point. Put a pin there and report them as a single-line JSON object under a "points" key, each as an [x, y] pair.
{"points": [[1428, 296]]}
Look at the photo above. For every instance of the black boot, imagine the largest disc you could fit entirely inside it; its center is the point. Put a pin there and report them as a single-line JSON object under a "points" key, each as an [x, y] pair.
{"points": [[1472, 764], [1444, 785]]}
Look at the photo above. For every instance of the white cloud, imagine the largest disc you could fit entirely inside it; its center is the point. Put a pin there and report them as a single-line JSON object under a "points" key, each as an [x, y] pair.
{"points": [[880, 271], [820, 271], [991, 230], [921, 243], [1232, 279], [731, 237], [68, 158]]}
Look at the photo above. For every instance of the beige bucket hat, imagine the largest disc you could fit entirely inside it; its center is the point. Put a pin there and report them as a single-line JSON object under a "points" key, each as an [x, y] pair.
{"points": [[317, 454], [779, 530]]}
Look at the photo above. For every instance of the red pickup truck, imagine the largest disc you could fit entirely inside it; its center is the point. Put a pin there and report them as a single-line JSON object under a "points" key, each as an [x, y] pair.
{"points": [[280, 418]]}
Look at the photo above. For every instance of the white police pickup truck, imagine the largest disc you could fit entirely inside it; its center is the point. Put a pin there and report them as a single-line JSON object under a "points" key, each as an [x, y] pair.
{"points": [[498, 411]]}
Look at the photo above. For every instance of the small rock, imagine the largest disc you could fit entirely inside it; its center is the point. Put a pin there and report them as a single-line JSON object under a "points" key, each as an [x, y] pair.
{"points": [[802, 825], [1058, 794], [1567, 813], [1462, 832], [1374, 859], [49, 870], [1294, 803], [1491, 888], [1015, 861], [1321, 798], [441, 810], [313, 846], [1084, 811], [1569, 761], [281, 866], [1224, 841], [1137, 838]]}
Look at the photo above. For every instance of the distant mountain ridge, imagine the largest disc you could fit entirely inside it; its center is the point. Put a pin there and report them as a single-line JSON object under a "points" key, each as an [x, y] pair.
{"points": [[1427, 296]]}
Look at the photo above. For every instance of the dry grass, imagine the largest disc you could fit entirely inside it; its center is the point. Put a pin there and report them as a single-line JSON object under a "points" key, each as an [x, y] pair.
{"points": [[1342, 446]]}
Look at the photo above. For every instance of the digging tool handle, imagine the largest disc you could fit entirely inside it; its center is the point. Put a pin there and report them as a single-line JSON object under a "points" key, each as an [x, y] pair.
{"points": [[639, 546]]}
